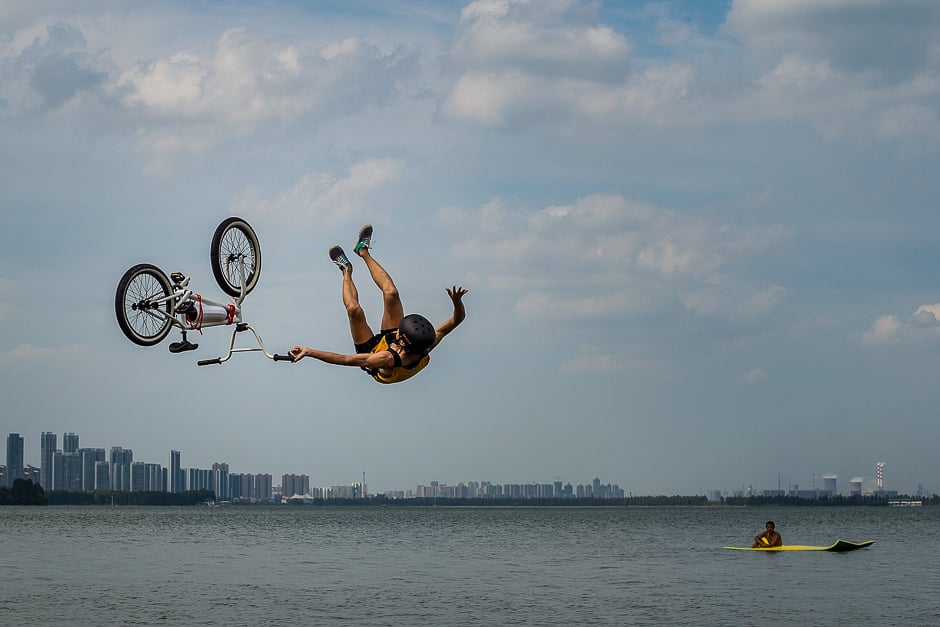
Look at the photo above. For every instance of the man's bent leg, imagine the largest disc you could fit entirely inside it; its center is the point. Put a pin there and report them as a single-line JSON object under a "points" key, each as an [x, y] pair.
{"points": [[358, 326], [393, 311]]}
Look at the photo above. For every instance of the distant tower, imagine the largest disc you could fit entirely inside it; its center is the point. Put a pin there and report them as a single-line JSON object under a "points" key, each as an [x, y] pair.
{"points": [[176, 483], [47, 444], [855, 486], [830, 483], [15, 465], [880, 480]]}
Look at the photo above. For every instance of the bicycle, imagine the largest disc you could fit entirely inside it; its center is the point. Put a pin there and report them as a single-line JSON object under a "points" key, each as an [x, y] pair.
{"points": [[149, 304]]}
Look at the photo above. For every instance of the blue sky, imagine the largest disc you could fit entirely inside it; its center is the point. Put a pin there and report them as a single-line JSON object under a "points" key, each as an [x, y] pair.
{"points": [[699, 238]]}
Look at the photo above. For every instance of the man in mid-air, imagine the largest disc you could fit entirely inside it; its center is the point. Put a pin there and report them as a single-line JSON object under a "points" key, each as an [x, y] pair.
{"points": [[400, 349]]}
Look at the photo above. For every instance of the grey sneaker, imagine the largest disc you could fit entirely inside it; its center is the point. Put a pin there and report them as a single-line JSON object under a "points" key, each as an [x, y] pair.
{"points": [[365, 239], [339, 258]]}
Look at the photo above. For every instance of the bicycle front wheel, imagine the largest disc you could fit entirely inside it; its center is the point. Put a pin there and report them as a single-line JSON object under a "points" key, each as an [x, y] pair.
{"points": [[233, 244], [144, 321]]}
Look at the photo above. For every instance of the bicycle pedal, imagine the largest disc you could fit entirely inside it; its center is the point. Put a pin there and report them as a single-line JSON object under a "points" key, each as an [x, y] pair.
{"points": [[177, 277], [181, 347]]}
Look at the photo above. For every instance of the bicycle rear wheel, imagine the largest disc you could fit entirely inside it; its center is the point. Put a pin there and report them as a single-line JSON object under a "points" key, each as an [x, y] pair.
{"points": [[142, 320], [235, 241]]}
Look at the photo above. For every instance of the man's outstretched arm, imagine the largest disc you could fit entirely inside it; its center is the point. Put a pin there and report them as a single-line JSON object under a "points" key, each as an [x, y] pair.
{"points": [[456, 296], [369, 360]]}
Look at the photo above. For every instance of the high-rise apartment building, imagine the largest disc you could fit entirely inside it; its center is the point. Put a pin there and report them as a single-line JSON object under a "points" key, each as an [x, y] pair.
{"points": [[69, 443], [47, 448], [220, 484], [176, 478], [121, 460], [15, 463], [199, 479], [295, 484], [155, 478], [90, 457], [102, 475], [262, 487], [146, 477], [67, 471]]}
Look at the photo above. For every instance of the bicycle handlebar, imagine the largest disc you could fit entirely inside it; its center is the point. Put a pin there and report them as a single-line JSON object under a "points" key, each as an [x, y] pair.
{"points": [[244, 326]]}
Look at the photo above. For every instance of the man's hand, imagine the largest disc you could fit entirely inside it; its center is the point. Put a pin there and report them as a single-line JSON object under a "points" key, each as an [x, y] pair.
{"points": [[297, 353], [456, 293]]}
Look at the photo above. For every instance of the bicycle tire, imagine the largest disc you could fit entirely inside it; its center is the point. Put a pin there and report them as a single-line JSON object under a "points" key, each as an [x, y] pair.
{"points": [[232, 239], [140, 285]]}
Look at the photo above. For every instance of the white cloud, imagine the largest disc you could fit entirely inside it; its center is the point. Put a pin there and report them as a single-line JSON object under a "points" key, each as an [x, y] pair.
{"points": [[328, 197], [848, 68], [591, 363], [656, 96], [926, 316], [589, 359], [921, 326], [909, 121], [245, 82], [173, 85], [248, 80], [538, 38], [607, 256], [46, 354], [552, 305], [883, 330], [754, 376], [525, 64], [46, 65], [187, 100], [732, 300], [890, 37]]}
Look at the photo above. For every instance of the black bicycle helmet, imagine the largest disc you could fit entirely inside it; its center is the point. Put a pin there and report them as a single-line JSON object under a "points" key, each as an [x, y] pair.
{"points": [[419, 331]]}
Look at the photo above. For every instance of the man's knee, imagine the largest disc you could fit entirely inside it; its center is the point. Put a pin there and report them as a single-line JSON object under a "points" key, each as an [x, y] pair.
{"points": [[354, 311], [391, 294]]}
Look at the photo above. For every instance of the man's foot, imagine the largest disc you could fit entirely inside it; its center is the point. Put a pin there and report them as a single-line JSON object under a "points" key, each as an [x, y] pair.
{"points": [[339, 258], [365, 239]]}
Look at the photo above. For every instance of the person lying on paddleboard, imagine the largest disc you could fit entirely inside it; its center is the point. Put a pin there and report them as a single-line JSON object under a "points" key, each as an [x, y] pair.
{"points": [[768, 537], [400, 349]]}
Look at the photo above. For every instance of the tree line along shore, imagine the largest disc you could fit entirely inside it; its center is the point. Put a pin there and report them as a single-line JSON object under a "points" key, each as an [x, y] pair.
{"points": [[25, 492]]}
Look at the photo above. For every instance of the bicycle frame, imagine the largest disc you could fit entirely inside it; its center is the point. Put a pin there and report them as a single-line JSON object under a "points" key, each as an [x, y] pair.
{"points": [[149, 304], [182, 294]]}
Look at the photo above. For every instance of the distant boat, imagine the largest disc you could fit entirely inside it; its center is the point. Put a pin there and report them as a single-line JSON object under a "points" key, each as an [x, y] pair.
{"points": [[905, 503]]}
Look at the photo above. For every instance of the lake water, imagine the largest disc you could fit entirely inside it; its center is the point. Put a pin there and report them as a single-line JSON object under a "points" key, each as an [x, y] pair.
{"points": [[463, 566]]}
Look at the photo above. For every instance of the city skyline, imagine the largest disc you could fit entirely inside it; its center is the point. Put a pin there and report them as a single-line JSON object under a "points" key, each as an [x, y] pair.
{"points": [[76, 468], [119, 473]]}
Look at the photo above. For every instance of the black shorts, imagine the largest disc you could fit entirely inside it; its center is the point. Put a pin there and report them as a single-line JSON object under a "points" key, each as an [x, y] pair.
{"points": [[368, 345]]}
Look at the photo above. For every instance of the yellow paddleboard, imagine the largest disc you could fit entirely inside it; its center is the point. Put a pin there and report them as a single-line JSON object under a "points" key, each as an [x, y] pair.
{"points": [[839, 546]]}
